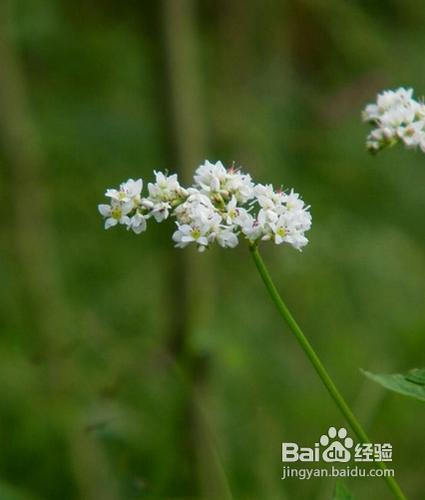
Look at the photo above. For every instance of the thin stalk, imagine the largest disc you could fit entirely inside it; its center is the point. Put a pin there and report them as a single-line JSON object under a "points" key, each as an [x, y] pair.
{"points": [[317, 364]]}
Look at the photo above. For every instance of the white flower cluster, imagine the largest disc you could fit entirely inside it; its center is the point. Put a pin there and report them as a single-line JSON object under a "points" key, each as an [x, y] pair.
{"points": [[222, 206], [398, 117]]}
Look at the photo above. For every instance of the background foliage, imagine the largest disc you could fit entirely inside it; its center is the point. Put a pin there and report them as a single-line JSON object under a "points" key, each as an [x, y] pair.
{"points": [[131, 370]]}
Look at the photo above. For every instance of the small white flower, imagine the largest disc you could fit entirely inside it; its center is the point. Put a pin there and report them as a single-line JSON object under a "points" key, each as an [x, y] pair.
{"points": [[128, 191], [411, 134], [293, 201], [267, 197], [166, 188], [196, 206], [137, 223], [187, 234], [238, 185], [290, 228], [132, 188], [115, 213], [251, 228], [232, 211], [210, 176], [280, 229], [160, 211], [226, 238]]}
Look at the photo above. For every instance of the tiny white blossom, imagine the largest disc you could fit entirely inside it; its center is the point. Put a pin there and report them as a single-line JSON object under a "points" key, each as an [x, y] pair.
{"points": [[233, 212], [210, 176], [413, 134], [197, 205], [115, 213], [160, 211], [137, 223], [165, 188], [293, 201], [128, 191], [267, 197], [226, 238], [238, 185], [251, 228], [187, 234]]}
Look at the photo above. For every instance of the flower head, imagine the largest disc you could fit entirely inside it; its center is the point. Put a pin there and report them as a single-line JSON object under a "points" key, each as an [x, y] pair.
{"points": [[397, 117], [222, 206]]}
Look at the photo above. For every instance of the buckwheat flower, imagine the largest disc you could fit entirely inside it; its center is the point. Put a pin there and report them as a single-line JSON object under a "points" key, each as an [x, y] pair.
{"points": [[187, 234], [387, 100], [267, 197], [220, 184], [165, 188], [128, 191], [397, 117], [392, 98], [137, 223], [225, 206], [282, 218], [160, 211], [290, 227], [266, 218], [280, 229], [241, 217], [238, 185], [251, 228], [115, 213], [222, 206], [218, 232], [413, 134], [233, 212], [209, 223], [226, 238], [293, 201], [210, 176], [195, 205]]}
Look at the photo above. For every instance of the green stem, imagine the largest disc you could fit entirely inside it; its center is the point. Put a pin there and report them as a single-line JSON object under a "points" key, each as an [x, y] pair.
{"points": [[317, 364]]}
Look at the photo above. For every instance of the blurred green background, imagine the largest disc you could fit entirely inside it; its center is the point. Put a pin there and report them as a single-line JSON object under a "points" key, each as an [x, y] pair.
{"points": [[130, 369]]}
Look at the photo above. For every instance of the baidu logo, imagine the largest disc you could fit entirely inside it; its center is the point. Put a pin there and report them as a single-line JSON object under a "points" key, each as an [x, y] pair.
{"points": [[336, 446]]}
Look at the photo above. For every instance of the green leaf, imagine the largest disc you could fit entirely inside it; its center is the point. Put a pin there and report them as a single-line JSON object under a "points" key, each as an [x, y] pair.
{"points": [[416, 376], [342, 492], [411, 384]]}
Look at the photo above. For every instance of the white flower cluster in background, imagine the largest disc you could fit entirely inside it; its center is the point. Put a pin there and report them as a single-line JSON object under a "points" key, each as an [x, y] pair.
{"points": [[397, 117], [222, 206]]}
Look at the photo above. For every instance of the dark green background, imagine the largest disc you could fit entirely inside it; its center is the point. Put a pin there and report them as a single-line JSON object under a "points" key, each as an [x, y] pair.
{"points": [[129, 369]]}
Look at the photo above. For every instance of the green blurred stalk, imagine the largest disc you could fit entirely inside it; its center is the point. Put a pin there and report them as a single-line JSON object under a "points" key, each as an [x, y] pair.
{"points": [[45, 310], [190, 309], [317, 364]]}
